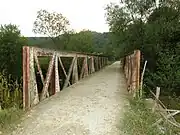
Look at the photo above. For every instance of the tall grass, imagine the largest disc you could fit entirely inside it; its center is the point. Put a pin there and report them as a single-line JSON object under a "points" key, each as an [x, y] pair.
{"points": [[10, 101], [10, 92], [138, 120]]}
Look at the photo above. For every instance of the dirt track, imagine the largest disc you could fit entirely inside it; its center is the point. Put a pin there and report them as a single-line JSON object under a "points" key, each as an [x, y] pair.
{"points": [[93, 106]]}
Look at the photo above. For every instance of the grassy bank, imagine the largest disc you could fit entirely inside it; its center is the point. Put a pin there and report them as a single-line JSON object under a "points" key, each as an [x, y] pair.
{"points": [[9, 118], [138, 120]]}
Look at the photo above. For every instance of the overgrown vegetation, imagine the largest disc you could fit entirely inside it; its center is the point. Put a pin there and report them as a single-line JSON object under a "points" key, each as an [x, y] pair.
{"points": [[10, 103], [154, 29], [138, 120], [11, 43]]}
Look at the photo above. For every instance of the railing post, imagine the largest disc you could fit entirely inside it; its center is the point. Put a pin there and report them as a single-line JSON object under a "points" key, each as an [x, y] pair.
{"points": [[57, 86], [86, 67], [33, 90], [92, 65], [26, 72], [138, 57], [75, 71]]}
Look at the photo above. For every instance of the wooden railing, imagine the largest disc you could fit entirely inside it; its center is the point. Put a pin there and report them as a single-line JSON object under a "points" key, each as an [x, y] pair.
{"points": [[58, 76], [131, 67]]}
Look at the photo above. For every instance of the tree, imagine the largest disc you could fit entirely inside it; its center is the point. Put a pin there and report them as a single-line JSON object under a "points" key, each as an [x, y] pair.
{"points": [[50, 24], [137, 24], [81, 42], [11, 43]]}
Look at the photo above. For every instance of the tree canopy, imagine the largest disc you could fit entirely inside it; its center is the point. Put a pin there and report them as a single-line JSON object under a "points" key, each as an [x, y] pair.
{"points": [[50, 24], [139, 24], [11, 43]]}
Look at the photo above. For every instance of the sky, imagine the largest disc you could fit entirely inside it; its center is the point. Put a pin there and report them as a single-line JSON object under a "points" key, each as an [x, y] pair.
{"points": [[82, 14]]}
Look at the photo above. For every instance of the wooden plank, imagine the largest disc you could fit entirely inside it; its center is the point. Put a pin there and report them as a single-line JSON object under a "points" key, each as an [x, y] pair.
{"points": [[69, 73], [97, 63], [52, 87], [26, 104], [38, 66], [100, 63], [34, 97], [57, 86], [157, 97], [50, 52], [134, 75], [82, 69], [45, 92], [129, 75], [142, 76], [138, 60], [92, 65], [60, 61], [75, 72], [85, 67]]}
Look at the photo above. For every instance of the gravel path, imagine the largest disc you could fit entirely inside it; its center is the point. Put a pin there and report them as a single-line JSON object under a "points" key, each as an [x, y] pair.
{"points": [[93, 106]]}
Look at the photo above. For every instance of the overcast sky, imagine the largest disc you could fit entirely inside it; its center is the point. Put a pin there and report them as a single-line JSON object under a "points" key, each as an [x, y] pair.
{"points": [[82, 14]]}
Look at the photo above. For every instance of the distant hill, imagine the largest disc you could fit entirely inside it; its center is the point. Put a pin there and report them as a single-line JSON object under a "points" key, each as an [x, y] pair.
{"points": [[100, 41], [44, 42]]}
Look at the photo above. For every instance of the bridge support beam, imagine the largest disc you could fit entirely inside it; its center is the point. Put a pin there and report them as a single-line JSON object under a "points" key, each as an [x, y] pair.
{"points": [[39, 84]]}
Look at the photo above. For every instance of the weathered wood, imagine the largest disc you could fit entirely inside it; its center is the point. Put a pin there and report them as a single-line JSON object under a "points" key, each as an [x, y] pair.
{"points": [[34, 97], [57, 86], [99, 59], [75, 72], [102, 59], [131, 67], [38, 66], [69, 74], [157, 97], [92, 65], [30, 60], [134, 74], [26, 77], [86, 68], [129, 74], [49, 52], [167, 117], [82, 69], [52, 87], [62, 66], [138, 57], [45, 92], [142, 76], [97, 64]]}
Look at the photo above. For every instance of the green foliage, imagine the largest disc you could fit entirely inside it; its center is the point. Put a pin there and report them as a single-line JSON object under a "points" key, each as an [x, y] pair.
{"points": [[138, 120], [153, 30], [84, 41], [11, 44]]}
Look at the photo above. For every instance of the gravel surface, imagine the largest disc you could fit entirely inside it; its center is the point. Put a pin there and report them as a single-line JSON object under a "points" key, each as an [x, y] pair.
{"points": [[93, 106]]}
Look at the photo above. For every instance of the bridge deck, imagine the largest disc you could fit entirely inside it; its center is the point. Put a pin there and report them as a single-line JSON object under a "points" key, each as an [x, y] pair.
{"points": [[93, 106]]}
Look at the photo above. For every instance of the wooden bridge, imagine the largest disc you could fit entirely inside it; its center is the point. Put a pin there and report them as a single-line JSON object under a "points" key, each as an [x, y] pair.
{"points": [[81, 66], [93, 105]]}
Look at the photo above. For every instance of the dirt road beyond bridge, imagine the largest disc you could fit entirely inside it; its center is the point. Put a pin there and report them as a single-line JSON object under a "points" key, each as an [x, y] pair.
{"points": [[93, 106]]}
